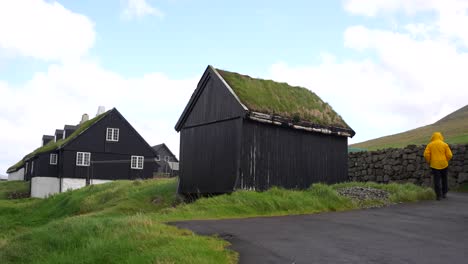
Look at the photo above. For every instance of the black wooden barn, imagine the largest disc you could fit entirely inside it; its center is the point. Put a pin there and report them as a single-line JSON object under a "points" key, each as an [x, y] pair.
{"points": [[238, 132]]}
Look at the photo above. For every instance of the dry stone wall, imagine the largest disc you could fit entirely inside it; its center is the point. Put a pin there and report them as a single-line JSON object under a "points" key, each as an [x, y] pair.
{"points": [[405, 165]]}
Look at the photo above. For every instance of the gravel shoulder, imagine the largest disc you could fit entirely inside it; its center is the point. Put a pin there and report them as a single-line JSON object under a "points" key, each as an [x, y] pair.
{"points": [[424, 232]]}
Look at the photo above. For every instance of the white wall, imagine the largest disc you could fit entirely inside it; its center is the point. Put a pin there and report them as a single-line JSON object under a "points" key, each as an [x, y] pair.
{"points": [[42, 187], [17, 175], [72, 184], [96, 181]]}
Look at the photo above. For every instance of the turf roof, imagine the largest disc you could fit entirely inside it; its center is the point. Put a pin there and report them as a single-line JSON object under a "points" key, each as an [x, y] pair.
{"points": [[52, 145], [293, 102]]}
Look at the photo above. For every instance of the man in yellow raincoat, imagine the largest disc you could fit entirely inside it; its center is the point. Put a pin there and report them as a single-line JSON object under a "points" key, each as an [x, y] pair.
{"points": [[438, 154]]}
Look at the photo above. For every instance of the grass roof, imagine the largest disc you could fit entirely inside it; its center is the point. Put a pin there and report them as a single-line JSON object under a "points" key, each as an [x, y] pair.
{"points": [[293, 102], [53, 145]]}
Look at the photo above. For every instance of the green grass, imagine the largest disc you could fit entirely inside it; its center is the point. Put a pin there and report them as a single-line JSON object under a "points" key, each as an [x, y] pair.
{"points": [[9, 187], [124, 221], [454, 128], [462, 188], [296, 103], [53, 145]]}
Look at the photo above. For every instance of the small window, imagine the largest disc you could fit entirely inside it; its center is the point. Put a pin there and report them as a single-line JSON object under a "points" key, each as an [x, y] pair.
{"points": [[137, 162], [158, 158], [112, 134], [83, 158], [53, 159], [167, 158], [32, 166], [26, 168]]}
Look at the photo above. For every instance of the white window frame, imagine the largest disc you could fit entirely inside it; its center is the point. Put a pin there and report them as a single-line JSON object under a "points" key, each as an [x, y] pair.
{"points": [[167, 158], [113, 135], [53, 159], [158, 158], [83, 159], [63, 135], [136, 162]]}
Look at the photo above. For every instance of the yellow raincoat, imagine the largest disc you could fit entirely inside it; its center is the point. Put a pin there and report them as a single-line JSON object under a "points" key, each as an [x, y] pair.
{"points": [[437, 152]]}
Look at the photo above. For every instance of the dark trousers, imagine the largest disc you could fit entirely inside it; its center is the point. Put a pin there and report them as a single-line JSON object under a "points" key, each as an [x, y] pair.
{"points": [[440, 176]]}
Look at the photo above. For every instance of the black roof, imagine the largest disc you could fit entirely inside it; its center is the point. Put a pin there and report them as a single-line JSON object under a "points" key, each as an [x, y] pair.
{"points": [[47, 137], [159, 146], [58, 131]]}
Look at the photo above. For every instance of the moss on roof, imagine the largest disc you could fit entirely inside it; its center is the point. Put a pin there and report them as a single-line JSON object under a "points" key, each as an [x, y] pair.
{"points": [[52, 145], [293, 102]]}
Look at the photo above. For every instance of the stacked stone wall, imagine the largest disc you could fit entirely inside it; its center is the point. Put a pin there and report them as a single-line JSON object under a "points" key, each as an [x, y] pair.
{"points": [[405, 165]]}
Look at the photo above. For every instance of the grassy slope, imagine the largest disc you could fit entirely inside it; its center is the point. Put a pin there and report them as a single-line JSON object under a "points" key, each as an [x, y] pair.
{"points": [[267, 96], [454, 127], [123, 222], [8, 187]]}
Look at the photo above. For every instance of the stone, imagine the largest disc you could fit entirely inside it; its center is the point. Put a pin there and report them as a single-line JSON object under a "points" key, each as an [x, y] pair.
{"points": [[465, 168], [462, 177], [411, 168]]}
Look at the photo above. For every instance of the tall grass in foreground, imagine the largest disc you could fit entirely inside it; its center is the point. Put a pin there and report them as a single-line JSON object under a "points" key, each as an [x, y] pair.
{"points": [[124, 221], [277, 201]]}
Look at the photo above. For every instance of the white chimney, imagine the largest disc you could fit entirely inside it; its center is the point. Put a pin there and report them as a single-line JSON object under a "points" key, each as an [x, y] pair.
{"points": [[100, 110], [84, 118]]}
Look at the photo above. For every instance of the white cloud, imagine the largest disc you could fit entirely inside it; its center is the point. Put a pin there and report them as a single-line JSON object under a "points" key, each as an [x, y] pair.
{"points": [[59, 96], [376, 7], [139, 8], [44, 30], [408, 78], [73, 84]]}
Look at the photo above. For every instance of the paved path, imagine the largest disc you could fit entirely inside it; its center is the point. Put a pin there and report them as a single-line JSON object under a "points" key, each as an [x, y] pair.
{"points": [[425, 232]]}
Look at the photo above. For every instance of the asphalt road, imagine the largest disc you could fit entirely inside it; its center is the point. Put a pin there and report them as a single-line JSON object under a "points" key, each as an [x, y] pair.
{"points": [[425, 232]]}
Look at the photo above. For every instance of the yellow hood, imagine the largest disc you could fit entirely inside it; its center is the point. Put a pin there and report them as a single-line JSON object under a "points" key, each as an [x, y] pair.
{"points": [[437, 136], [437, 152]]}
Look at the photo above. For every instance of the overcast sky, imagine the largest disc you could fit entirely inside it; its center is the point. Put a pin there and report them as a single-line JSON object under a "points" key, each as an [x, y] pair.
{"points": [[385, 65]]}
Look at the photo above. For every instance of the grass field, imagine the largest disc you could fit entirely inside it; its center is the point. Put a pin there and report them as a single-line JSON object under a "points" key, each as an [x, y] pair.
{"points": [[124, 221], [454, 127]]}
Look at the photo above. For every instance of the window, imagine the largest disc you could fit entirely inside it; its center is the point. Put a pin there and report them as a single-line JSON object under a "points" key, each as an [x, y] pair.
{"points": [[63, 135], [112, 134], [32, 166], [167, 158], [137, 162], [26, 168], [83, 158], [53, 159], [158, 158]]}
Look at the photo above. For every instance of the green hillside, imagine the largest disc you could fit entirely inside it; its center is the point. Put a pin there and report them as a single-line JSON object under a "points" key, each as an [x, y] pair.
{"points": [[126, 221], [454, 127]]}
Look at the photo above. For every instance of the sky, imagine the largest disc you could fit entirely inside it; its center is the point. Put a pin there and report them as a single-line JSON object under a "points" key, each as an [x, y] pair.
{"points": [[386, 66]]}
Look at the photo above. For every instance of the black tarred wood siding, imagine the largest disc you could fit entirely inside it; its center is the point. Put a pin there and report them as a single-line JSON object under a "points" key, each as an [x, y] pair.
{"points": [[277, 156], [215, 103], [93, 140], [209, 157], [43, 166], [220, 150]]}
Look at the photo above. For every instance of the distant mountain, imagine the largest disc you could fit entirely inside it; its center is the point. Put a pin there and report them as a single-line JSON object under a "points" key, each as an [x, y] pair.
{"points": [[454, 128]]}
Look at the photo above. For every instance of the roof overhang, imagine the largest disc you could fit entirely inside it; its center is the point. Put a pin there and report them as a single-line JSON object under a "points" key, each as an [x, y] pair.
{"points": [[301, 125]]}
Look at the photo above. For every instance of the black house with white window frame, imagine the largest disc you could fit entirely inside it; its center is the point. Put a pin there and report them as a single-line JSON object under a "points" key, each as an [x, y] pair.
{"points": [[99, 150], [168, 164]]}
